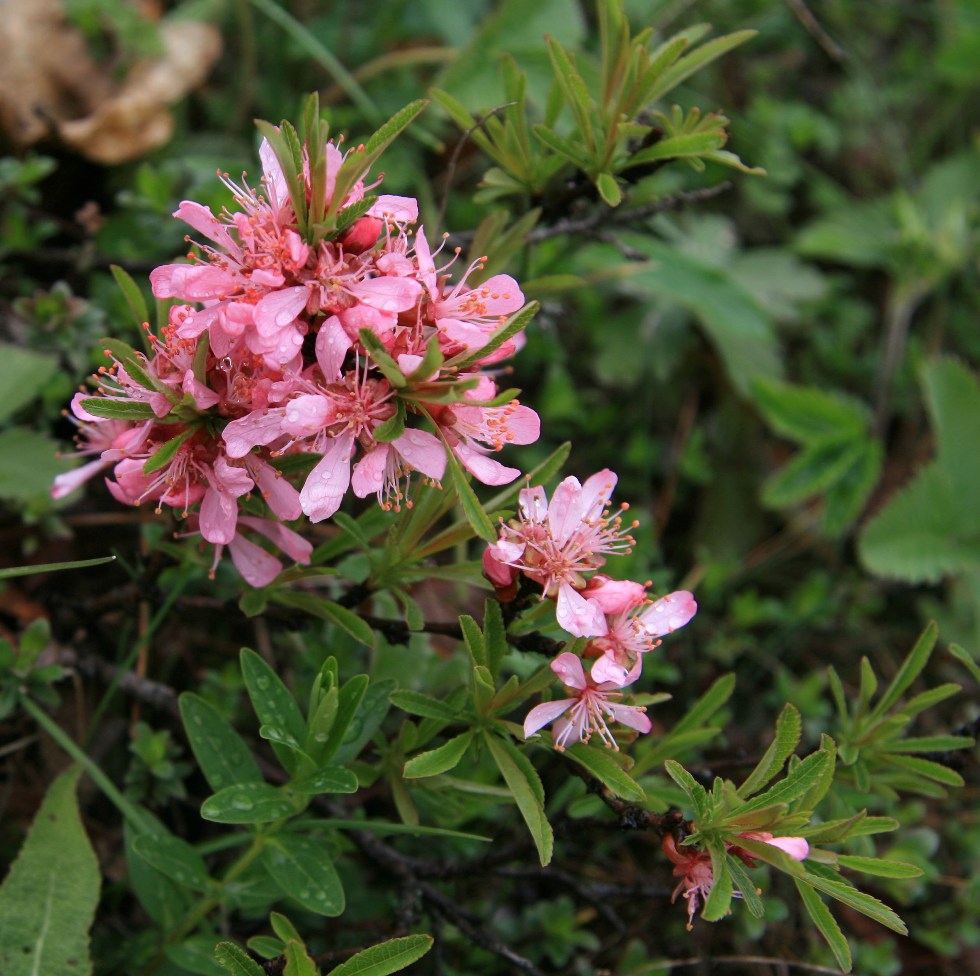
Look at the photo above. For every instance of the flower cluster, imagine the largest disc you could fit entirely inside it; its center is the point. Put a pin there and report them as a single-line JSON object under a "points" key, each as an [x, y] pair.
{"points": [[559, 545], [352, 347]]}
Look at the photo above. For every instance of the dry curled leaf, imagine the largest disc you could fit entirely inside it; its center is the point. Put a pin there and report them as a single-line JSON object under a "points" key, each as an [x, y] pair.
{"points": [[51, 86]]}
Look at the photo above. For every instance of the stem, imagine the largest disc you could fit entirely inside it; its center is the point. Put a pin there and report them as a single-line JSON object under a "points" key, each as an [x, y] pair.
{"points": [[129, 810], [194, 917]]}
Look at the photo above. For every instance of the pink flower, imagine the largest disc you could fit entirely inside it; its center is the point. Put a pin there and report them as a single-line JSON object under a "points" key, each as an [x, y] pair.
{"points": [[693, 867], [556, 543], [633, 632], [797, 847], [588, 708]]}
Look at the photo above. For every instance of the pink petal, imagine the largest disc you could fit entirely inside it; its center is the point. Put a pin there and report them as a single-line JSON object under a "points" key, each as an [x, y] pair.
{"points": [[278, 493], [402, 210], [279, 309], [388, 294], [328, 482], [484, 469], [332, 344], [668, 613], [568, 667], [580, 617], [219, 515], [423, 451], [258, 568], [369, 473], [290, 542], [614, 596], [541, 715], [630, 715]]}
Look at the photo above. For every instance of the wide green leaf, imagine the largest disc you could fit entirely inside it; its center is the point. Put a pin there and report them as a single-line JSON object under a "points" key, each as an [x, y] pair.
{"points": [[303, 869], [440, 760], [49, 897], [23, 373], [236, 960], [248, 803]]}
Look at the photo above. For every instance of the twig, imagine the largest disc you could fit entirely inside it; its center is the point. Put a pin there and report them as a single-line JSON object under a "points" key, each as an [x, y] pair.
{"points": [[808, 967], [805, 16]]}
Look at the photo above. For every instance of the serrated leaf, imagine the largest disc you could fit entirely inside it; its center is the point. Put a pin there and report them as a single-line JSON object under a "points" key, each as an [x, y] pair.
{"points": [[49, 897], [746, 886], [810, 415], [563, 147], [687, 65], [696, 793], [924, 767], [824, 880], [802, 778], [719, 900], [303, 869], [515, 324], [476, 516], [441, 760], [826, 924], [236, 960], [382, 359], [789, 727], [117, 409], [910, 669], [608, 771], [879, 867], [815, 469], [161, 458], [388, 957], [525, 787]]}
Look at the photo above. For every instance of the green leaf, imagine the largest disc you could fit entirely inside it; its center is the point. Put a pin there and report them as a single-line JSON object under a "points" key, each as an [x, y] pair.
{"points": [[924, 767], [815, 469], [603, 765], [719, 900], [563, 147], [802, 778], [744, 884], [415, 703], [810, 415], [248, 803], [826, 924], [23, 374], [824, 880], [298, 961], [370, 714], [476, 516], [303, 869], [388, 957], [525, 786], [273, 704], [318, 606], [789, 727], [879, 867], [330, 779], [960, 653], [515, 324], [162, 457], [11, 571], [174, 858], [574, 89], [118, 409], [684, 67], [441, 760], [236, 960], [382, 359], [49, 897], [393, 427], [696, 793], [609, 189], [133, 295], [910, 669], [133, 362]]}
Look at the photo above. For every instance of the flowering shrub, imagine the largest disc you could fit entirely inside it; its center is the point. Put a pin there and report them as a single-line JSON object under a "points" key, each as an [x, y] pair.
{"points": [[324, 387]]}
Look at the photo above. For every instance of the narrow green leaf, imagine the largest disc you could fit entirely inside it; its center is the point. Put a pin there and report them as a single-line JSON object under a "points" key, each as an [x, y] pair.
{"points": [[926, 699], [525, 786], [515, 324], [133, 362], [273, 703], [924, 767], [162, 457], [746, 886], [318, 606], [695, 791], [911, 667], [476, 516], [284, 928], [824, 880], [49, 897], [133, 295], [303, 869], [719, 900], [382, 359], [370, 714], [441, 760], [350, 700], [680, 146], [879, 867], [118, 409], [11, 571], [960, 653], [603, 765], [388, 957], [495, 636], [808, 772], [684, 67], [236, 960], [415, 703], [826, 924], [928, 743], [789, 727], [575, 91]]}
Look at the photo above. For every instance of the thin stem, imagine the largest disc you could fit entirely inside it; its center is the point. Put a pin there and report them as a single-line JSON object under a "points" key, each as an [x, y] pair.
{"points": [[124, 806]]}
